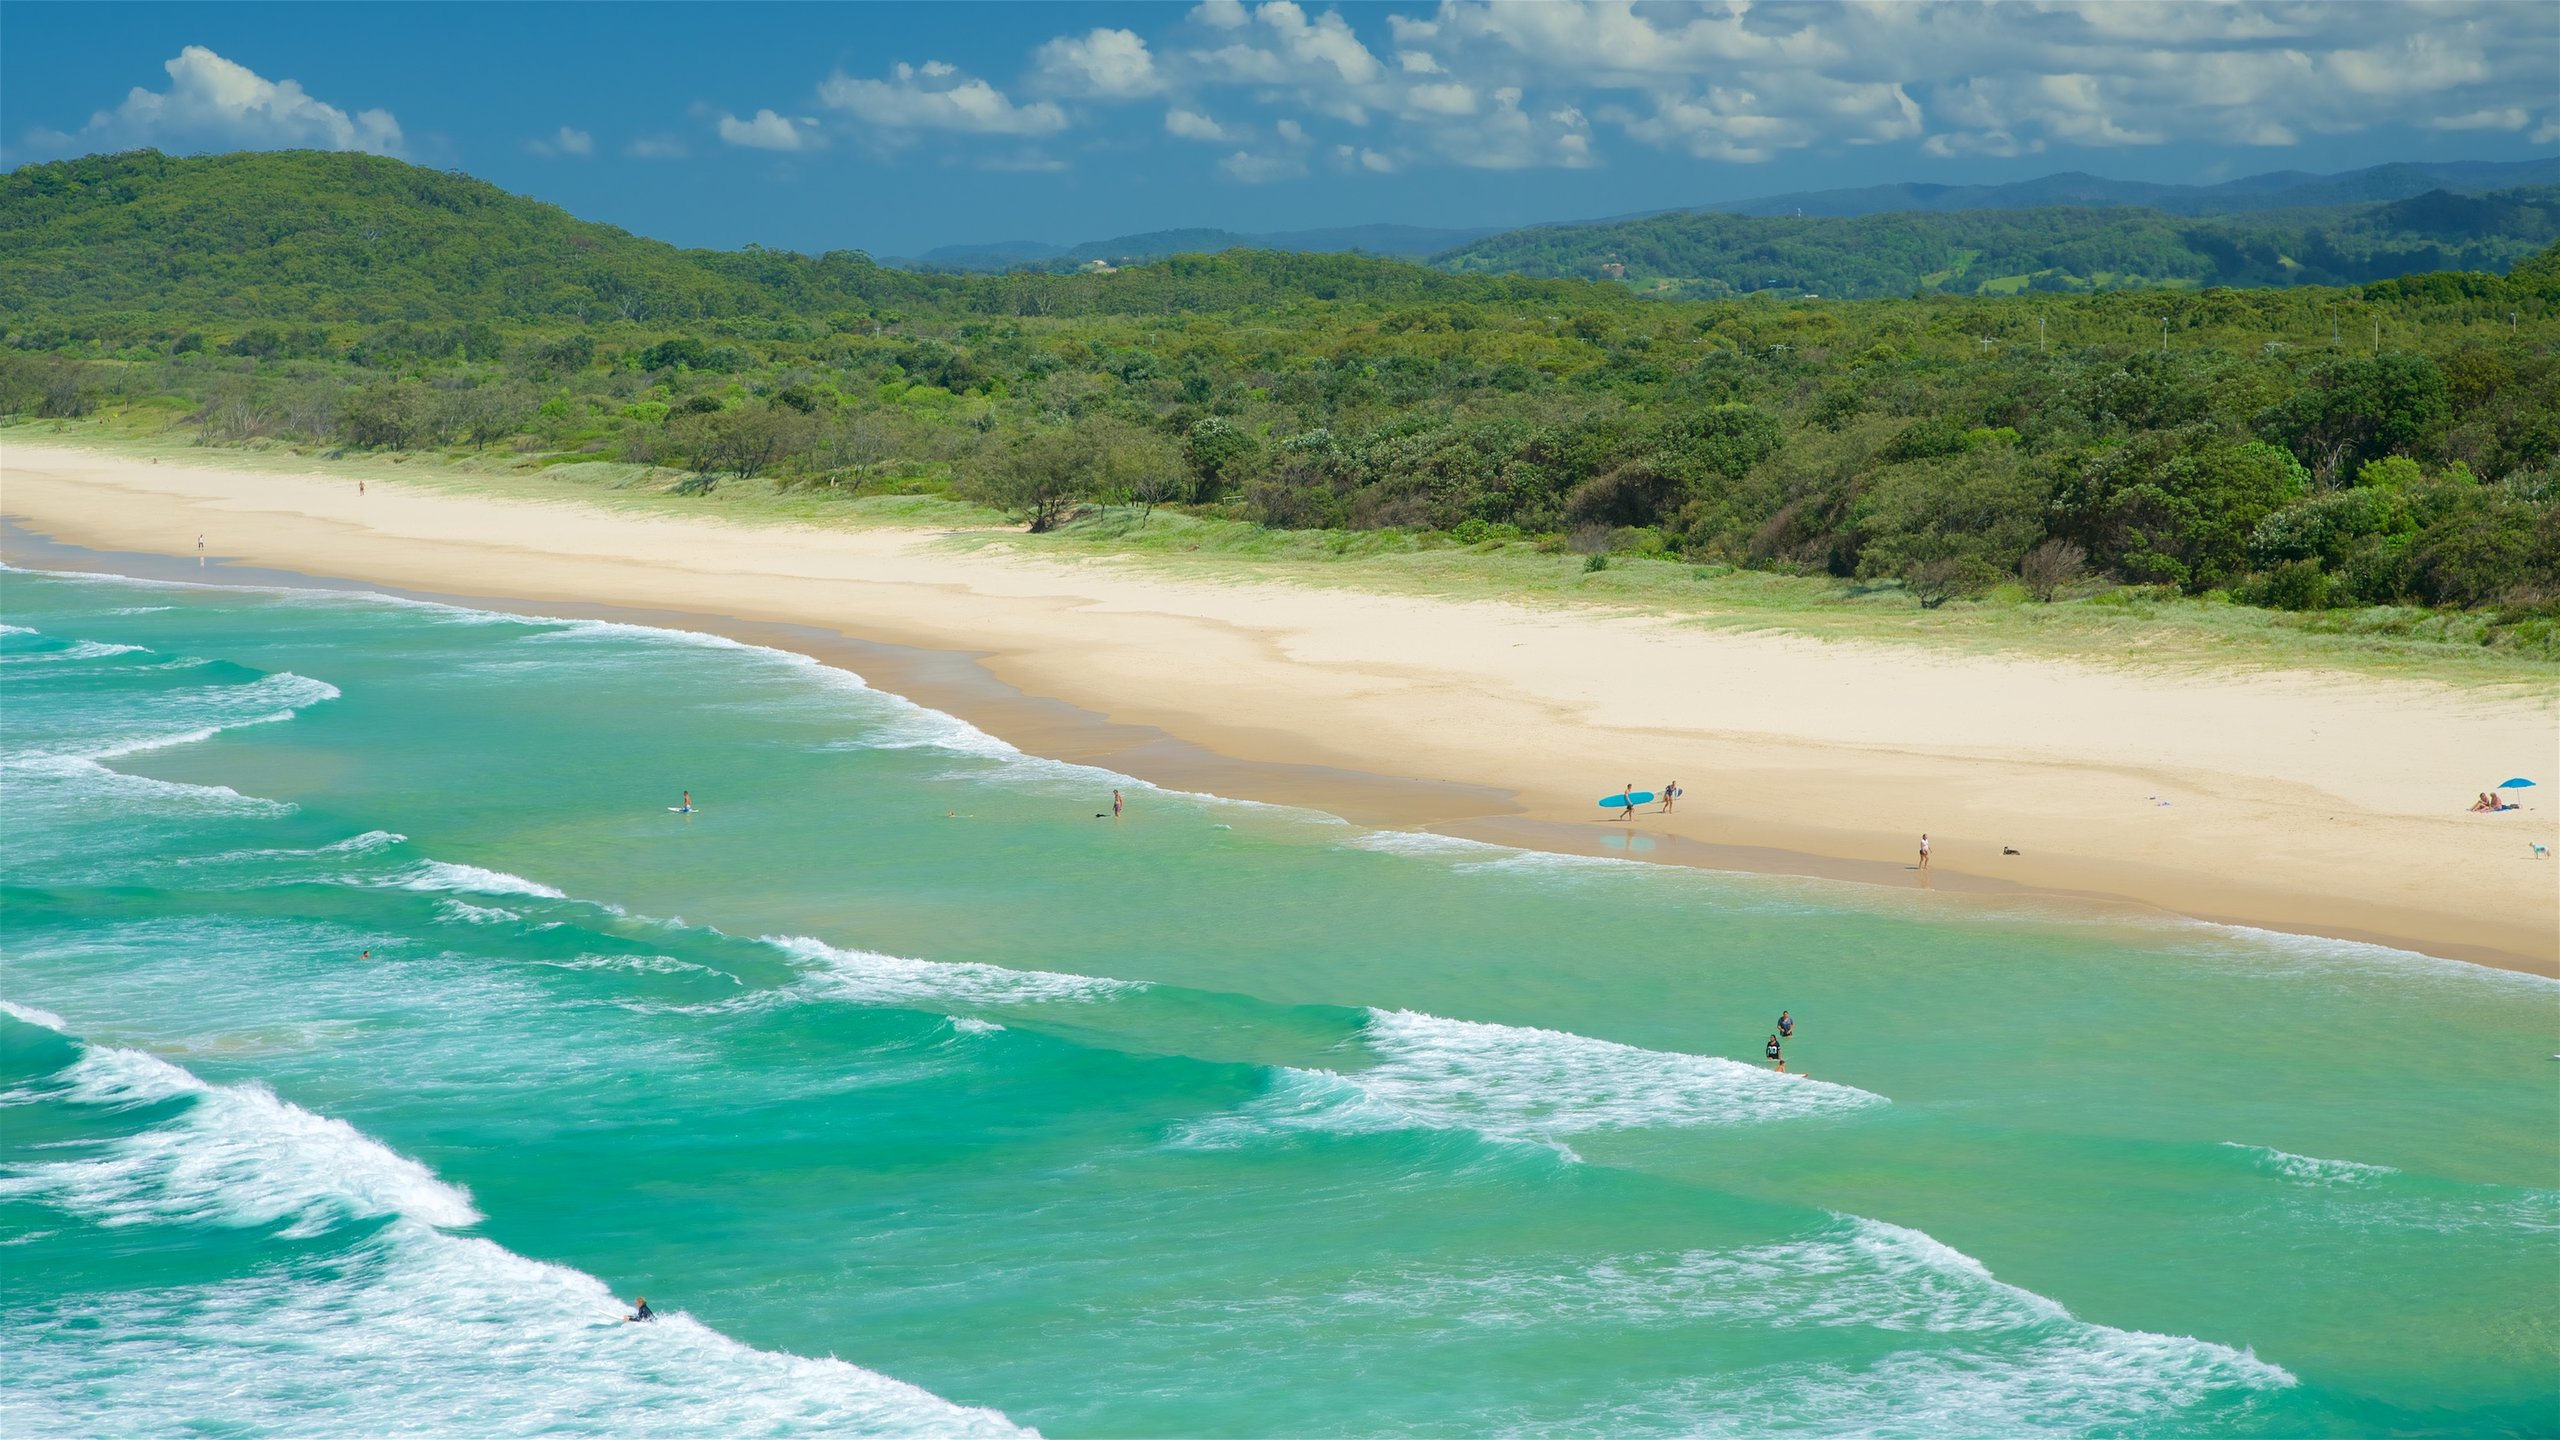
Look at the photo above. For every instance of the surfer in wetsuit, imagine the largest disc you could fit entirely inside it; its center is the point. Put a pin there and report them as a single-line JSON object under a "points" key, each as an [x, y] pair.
{"points": [[1776, 1060], [639, 1311], [1786, 1026]]}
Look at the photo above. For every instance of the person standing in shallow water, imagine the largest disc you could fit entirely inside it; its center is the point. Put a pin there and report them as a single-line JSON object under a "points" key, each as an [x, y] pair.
{"points": [[1777, 1058], [1786, 1026], [1115, 804]]}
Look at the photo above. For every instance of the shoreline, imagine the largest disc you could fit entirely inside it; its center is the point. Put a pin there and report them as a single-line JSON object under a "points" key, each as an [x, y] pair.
{"points": [[1071, 662]]}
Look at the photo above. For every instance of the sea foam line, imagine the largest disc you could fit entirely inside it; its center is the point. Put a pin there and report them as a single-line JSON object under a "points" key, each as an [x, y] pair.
{"points": [[237, 1156], [1515, 1083], [871, 978]]}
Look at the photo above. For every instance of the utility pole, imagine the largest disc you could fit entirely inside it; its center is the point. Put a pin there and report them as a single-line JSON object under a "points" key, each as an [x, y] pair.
{"points": [[2377, 334], [2164, 334], [2039, 334]]}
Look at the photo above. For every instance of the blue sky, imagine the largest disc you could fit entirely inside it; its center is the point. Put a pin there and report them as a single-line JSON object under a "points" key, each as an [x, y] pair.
{"points": [[896, 127]]}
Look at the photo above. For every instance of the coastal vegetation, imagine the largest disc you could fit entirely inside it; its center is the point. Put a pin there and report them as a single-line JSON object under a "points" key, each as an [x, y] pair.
{"points": [[2385, 454]]}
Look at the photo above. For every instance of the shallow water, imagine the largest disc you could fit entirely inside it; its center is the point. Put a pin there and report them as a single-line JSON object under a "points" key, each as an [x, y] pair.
{"points": [[920, 1099]]}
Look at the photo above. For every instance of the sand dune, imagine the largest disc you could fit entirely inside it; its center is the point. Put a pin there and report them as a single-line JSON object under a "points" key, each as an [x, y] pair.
{"points": [[2310, 802]]}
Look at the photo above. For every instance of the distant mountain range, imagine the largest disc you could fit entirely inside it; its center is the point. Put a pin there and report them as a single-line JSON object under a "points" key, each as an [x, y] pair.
{"points": [[2275, 190], [1409, 241], [1706, 254]]}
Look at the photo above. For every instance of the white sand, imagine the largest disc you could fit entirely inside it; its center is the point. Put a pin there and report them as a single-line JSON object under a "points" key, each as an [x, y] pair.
{"points": [[2320, 803]]}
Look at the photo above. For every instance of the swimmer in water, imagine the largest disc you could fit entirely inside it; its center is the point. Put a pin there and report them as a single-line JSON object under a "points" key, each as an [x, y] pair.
{"points": [[1777, 1061]]}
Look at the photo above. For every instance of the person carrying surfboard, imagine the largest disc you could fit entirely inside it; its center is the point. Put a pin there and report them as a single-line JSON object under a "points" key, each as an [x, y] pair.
{"points": [[1627, 799]]}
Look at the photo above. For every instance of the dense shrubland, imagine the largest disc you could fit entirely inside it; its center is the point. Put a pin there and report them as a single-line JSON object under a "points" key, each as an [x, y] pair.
{"points": [[2308, 448]]}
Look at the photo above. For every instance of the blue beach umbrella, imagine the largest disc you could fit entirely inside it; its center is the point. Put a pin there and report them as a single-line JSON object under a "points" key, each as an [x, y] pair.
{"points": [[2518, 783]]}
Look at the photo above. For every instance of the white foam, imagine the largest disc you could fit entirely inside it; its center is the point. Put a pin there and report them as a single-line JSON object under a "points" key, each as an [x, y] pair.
{"points": [[469, 914], [29, 1014], [18, 630], [2014, 1362], [972, 1025], [78, 650], [2311, 1169], [237, 1156], [91, 782], [1424, 843], [418, 1332], [870, 978], [1522, 1084], [641, 965], [270, 700], [445, 875]]}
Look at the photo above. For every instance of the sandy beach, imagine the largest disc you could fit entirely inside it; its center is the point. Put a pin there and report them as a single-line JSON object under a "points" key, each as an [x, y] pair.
{"points": [[2314, 803]]}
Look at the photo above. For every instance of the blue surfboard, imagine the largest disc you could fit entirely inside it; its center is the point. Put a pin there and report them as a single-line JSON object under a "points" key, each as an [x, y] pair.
{"points": [[1619, 802]]}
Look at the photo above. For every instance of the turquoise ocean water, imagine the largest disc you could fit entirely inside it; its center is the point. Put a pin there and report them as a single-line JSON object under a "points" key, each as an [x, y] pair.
{"points": [[919, 1100]]}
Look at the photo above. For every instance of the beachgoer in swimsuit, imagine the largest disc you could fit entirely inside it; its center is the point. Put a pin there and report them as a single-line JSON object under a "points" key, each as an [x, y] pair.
{"points": [[1786, 1026], [1627, 798], [1924, 850], [1670, 792], [1776, 1059], [1115, 804]]}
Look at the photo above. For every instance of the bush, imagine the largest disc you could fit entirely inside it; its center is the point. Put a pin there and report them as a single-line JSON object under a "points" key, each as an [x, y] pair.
{"points": [[2294, 585], [2050, 568]]}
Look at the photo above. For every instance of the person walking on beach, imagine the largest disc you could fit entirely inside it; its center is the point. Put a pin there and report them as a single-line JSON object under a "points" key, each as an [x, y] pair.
{"points": [[1670, 792], [1627, 799], [1786, 1025], [1924, 849], [1777, 1060]]}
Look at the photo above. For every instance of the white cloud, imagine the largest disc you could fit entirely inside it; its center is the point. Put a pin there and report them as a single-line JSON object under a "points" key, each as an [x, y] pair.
{"points": [[2549, 130], [2510, 117], [656, 147], [564, 141], [768, 131], [1221, 14], [1184, 124], [926, 97], [1260, 169], [1112, 64], [217, 104]]}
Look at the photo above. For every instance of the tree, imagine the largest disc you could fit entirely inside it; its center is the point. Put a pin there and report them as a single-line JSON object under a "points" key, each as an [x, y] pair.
{"points": [[2360, 409], [1040, 477], [741, 443], [1219, 451], [391, 416], [2177, 507], [2050, 568]]}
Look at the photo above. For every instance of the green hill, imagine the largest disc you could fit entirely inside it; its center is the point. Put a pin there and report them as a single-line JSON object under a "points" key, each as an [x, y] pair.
{"points": [[2006, 251], [120, 243]]}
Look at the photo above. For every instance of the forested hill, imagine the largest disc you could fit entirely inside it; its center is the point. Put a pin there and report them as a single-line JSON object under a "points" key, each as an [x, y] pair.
{"points": [[1994, 252], [114, 245]]}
